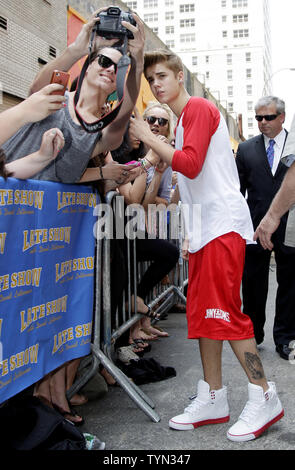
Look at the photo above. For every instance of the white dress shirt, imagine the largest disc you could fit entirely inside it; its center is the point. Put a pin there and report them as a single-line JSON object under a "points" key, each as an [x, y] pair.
{"points": [[278, 148], [288, 156]]}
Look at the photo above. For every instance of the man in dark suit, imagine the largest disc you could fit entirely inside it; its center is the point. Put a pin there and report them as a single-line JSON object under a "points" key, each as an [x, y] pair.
{"points": [[261, 174]]}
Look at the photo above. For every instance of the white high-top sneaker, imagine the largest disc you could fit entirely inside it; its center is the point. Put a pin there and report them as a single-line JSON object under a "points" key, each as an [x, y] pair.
{"points": [[261, 411], [209, 407]]}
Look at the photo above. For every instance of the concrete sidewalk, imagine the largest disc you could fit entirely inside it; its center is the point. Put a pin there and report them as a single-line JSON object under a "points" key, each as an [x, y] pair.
{"points": [[118, 421]]}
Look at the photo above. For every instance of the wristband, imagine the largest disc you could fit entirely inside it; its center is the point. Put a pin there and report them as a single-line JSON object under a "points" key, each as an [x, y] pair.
{"points": [[144, 163], [101, 173], [148, 161]]}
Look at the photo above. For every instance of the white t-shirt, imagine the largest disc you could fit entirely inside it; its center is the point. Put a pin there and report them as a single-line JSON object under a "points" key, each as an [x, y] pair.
{"points": [[208, 179]]}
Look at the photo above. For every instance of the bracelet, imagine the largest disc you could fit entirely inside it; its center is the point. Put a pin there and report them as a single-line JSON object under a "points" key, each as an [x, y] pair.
{"points": [[148, 161], [101, 173], [159, 171], [143, 163]]}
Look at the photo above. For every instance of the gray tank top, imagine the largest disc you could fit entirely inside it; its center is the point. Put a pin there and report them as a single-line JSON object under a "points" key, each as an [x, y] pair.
{"points": [[72, 160]]}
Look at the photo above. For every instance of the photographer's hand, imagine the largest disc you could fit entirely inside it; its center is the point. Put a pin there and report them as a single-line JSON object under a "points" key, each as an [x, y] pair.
{"points": [[136, 45], [74, 52], [80, 47]]}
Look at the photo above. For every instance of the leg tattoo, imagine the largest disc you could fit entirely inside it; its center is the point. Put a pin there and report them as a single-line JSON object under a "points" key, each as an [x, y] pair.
{"points": [[253, 363]]}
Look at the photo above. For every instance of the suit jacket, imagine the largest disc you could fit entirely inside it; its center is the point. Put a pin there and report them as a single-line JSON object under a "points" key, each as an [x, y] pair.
{"points": [[257, 179]]}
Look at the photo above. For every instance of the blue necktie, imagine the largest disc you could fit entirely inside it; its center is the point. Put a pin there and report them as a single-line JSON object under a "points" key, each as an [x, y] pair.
{"points": [[270, 152]]}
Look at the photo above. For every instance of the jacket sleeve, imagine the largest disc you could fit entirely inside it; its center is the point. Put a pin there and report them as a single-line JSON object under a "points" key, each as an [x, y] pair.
{"points": [[241, 170]]}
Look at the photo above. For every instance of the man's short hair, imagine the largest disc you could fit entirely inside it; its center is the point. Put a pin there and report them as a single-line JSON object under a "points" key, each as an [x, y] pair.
{"points": [[269, 100], [171, 60]]}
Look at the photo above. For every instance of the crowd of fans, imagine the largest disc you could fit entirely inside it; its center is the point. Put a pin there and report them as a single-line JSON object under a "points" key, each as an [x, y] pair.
{"points": [[57, 137], [40, 126]]}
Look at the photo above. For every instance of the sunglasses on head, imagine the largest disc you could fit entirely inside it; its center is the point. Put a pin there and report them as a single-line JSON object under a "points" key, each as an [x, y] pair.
{"points": [[105, 62], [267, 117], [161, 121]]}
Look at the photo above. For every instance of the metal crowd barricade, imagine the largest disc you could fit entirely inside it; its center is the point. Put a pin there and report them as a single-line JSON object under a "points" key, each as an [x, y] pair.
{"points": [[109, 325]]}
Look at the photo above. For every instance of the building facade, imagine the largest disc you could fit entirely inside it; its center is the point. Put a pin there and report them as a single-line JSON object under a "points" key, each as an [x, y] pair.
{"points": [[226, 43], [31, 34]]}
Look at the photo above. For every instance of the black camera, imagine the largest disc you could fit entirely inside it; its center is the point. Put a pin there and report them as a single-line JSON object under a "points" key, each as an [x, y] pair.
{"points": [[110, 25]]}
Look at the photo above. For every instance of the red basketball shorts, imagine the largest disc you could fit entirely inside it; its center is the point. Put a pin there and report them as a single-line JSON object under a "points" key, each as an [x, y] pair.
{"points": [[213, 297]]}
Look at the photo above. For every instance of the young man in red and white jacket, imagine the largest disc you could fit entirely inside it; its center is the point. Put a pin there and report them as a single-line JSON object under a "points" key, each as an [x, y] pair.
{"points": [[209, 187]]}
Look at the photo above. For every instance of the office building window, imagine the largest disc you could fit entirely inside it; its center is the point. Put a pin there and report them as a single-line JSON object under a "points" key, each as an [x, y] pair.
{"points": [[248, 56], [132, 5], [240, 18], [248, 73], [229, 59], [170, 43], [239, 3], [250, 105], [150, 3], [194, 60], [241, 33], [187, 37], [150, 17], [224, 34], [185, 8], [169, 30], [249, 90], [229, 74], [188, 23], [230, 91], [169, 15]]}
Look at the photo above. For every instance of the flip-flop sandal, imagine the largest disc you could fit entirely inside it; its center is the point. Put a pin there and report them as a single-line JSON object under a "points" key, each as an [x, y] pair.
{"points": [[146, 347], [69, 414], [140, 342], [136, 349]]}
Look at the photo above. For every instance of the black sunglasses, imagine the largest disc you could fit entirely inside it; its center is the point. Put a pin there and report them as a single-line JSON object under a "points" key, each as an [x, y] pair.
{"points": [[267, 117], [105, 62], [152, 119]]}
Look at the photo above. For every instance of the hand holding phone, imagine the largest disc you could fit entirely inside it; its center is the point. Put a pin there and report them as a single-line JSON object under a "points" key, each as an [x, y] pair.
{"points": [[61, 78]]}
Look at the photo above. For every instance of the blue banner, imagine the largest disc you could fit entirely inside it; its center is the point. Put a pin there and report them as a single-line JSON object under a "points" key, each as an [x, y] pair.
{"points": [[47, 252]]}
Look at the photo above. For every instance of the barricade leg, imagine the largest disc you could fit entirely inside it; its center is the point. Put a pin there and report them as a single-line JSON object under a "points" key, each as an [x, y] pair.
{"points": [[134, 392]]}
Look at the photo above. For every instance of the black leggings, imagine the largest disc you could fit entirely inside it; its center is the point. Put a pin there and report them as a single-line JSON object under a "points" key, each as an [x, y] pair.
{"points": [[163, 256]]}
